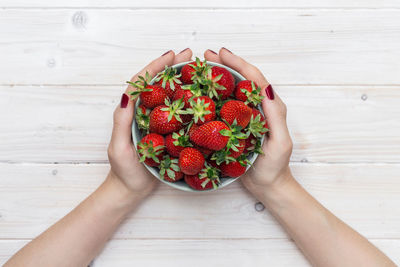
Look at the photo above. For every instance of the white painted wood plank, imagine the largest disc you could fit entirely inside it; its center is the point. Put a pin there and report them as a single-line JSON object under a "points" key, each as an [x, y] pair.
{"points": [[34, 196], [279, 252], [205, 4], [73, 124], [61, 46]]}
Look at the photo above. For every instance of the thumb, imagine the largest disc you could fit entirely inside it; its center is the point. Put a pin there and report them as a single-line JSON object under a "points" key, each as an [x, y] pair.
{"points": [[123, 117], [275, 113]]}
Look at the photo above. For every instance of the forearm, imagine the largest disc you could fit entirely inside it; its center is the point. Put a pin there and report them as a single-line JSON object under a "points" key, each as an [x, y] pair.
{"points": [[323, 238], [77, 238]]}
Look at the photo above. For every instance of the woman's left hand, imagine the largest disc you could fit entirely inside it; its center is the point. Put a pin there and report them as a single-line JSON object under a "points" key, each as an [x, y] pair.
{"points": [[126, 170]]}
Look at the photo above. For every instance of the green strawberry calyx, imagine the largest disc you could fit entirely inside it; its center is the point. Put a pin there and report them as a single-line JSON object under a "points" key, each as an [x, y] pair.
{"points": [[181, 139], [168, 75], [221, 156], [256, 126], [255, 147], [169, 166], [235, 134], [198, 109], [210, 175], [148, 151], [140, 85], [142, 119], [200, 70], [254, 97], [210, 85], [175, 109]]}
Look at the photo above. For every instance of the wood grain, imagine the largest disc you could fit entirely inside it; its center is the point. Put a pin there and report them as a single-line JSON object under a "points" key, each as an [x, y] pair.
{"points": [[73, 123], [270, 252], [33, 196], [226, 4], [68, 46]]}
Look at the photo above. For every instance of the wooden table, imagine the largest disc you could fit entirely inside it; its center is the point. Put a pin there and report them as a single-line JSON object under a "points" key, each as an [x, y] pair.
{"points": [[63, 65]]}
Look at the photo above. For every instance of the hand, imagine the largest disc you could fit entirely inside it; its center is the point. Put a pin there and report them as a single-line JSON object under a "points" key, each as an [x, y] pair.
{"points": [[126, 170], [272, 168]]}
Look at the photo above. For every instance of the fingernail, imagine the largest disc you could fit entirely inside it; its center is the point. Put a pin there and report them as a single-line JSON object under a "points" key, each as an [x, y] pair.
{"points": [[166, 53], [124, 100], [182, 50], [227, 50], [212, 51], [270, 92]]}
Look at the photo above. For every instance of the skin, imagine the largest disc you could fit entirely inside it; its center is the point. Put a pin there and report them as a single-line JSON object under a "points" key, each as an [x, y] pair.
{"points": [[324, 239]]}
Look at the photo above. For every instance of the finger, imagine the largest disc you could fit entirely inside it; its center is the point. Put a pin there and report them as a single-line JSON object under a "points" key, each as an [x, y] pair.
{"points": [[184, 55], [275, 114], [154, 67], [210, 55], [237, 63], [122, 128]]}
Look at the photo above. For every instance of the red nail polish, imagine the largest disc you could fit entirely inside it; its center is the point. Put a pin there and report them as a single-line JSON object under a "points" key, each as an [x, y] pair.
{"points": [[227, 50], [166, 53], [270, 92], [212, 52], [124, 100], [183, 50]]}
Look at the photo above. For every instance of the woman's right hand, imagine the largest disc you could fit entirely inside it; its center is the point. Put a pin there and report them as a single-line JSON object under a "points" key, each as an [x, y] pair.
{"points": [[272, 168]]}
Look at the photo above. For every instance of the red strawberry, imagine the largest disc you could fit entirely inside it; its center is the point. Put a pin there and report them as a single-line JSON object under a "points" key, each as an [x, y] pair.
{"points": [[208, 178], [240, 149], [235, 168], [257, 125], [253, 144], [169, 80], [248, 92], [186, 94], [151, 149], [169, 170], [205, 151], [191, 161], [236, 110], [193, 71], [166, 118], [202, 108], [150, 95], [142, 118], [219, 83], [192, 129], [208, 135], [176, 142]]}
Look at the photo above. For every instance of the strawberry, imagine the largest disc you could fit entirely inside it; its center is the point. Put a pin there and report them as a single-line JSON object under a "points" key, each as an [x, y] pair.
{"points": [[150, 95], [208, 178], [166, 118], [193, 71], [202, 108], [253, 144], [229, 154], [151, 149], [235, 110], [208, 135], [176, 142], [257, 125], [186, 94], [219, 83], [192, 129], [169, 80], [235, 168], [169, 170], [142, 118], [248, 92], [191, 161], [205, 151]]}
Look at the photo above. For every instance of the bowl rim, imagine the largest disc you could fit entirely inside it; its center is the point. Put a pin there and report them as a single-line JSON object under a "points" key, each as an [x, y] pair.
{"points": [[154, 171]]}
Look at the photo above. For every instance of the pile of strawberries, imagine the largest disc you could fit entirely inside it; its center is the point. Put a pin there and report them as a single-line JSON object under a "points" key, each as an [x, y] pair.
{"points": [[198, 125]]}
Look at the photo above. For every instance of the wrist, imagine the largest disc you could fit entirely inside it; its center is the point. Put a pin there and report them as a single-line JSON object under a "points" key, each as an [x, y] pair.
{"points": [[121, 197]]}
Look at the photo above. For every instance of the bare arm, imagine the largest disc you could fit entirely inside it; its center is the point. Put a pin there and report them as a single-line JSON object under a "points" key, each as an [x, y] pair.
{"points": [[77, 238], [324, 239]]}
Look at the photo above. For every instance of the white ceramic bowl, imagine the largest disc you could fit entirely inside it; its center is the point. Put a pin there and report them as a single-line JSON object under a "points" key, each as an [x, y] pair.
{"points": [[136, 137]]}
